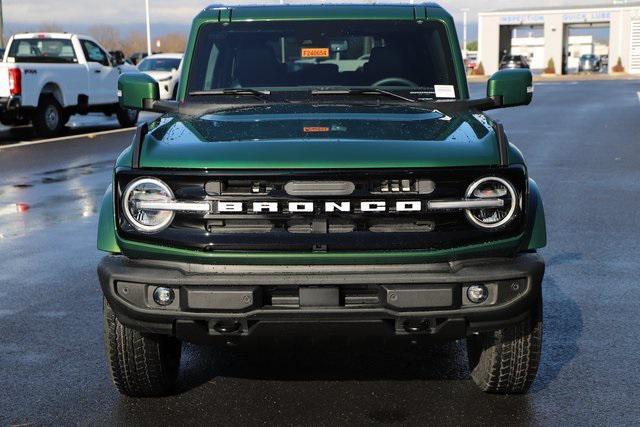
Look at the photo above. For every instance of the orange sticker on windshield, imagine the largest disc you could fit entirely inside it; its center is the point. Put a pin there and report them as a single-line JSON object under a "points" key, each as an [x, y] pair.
{"points": [[315, 52], [316, 129]]}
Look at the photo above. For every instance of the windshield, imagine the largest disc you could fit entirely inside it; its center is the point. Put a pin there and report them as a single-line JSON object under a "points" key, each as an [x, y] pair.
{"points": [[298, 55], [42, 50], [159, 64]]}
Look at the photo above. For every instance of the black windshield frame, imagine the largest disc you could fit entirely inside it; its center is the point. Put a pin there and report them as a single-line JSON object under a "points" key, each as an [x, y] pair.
{"points": [[443, 74]]}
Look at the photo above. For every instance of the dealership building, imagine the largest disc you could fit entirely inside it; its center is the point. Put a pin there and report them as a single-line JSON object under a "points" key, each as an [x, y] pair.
{"points": [[610, 32]]}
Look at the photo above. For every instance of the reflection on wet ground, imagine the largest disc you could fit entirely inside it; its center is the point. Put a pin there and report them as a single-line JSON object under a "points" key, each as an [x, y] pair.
{"points": [[52, 197], [77, 125], [38, 200]]}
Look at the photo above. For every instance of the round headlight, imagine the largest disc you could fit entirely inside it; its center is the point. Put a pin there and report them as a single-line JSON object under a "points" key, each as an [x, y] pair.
{"points": [[147, 190], [497, 189]]}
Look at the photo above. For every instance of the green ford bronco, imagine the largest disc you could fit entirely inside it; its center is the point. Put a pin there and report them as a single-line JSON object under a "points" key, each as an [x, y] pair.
{"points": [[323, 167]]}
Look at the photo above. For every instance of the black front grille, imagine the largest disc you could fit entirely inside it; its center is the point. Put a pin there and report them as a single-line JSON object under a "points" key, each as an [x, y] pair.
{"points": [[320, 231]]}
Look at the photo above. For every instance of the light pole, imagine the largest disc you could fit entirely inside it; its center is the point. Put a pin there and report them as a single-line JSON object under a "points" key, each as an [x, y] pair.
{"points": [[149, 52], [1, 27], [464, 32]]}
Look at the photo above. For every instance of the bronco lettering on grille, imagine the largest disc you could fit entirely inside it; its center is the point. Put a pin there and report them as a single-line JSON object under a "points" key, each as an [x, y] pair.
{"points": [[375, 206]]}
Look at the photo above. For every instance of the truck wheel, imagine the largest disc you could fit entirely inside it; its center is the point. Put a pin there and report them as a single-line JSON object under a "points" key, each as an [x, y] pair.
{"points": [[127, 118], [506, 361], [141, 365], [48, 118]]}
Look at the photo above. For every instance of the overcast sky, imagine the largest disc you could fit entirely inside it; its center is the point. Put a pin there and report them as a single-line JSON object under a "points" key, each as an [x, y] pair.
{"points": [[126, 14]]}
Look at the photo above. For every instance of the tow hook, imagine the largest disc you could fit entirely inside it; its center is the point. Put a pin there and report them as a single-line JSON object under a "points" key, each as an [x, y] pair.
{"points": [[416, 326], [227, 328]]}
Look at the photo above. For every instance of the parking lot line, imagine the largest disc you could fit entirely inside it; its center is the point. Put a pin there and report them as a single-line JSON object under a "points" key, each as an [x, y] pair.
{"points": [[89, 135]]}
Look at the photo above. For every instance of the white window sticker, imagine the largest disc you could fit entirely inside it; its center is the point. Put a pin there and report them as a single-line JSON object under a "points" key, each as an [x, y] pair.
{"points": [[445, 91]]}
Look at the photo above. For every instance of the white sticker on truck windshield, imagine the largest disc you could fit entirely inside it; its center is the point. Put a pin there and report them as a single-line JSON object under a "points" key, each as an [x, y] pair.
{"points": [[445, 91]]}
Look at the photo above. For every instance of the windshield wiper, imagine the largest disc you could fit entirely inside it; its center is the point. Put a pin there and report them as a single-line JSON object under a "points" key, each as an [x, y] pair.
{"points": [[258, 94], [357, 92]]}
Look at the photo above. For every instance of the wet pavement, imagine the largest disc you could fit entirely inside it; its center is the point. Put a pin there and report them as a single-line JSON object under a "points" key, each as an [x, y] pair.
{"points": [[78, 125], [581, 143]]}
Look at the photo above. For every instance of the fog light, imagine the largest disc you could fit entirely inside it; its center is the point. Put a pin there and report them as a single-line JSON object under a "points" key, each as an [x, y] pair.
{"points": [[164, 296], [477, 294]]}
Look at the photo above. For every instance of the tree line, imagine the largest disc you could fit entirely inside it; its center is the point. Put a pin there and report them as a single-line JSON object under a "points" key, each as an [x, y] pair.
{"points": [[113, 39]]}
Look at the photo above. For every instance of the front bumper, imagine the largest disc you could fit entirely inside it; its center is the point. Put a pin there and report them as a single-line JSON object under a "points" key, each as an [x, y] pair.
{"points": [[234, 301]]}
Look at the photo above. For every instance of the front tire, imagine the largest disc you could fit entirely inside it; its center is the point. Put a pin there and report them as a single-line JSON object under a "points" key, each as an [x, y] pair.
{"points": [[506, 361], [141, 365], [48, 118], [127, 118]]}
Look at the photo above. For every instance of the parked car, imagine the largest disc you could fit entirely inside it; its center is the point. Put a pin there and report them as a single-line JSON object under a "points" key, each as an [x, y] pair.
{"points": [[46, 78], [165, 69], [589, 63], [514, 61], [471, 61], [271, 199], [136, 57], [118, 57]]}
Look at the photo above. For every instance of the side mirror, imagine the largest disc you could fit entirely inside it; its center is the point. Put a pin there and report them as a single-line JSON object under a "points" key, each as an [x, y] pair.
{"points": [[506, 88], [117, 57], [511, 88], [139, 91]]}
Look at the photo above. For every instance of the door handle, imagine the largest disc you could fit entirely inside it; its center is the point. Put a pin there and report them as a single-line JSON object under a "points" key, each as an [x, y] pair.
{"points": [[97, 71]]}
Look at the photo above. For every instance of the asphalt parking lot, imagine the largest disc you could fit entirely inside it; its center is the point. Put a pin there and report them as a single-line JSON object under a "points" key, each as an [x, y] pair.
{"points": [[582, 144]]}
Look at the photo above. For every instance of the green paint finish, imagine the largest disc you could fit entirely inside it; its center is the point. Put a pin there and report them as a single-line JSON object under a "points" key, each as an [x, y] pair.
{"points": [[515, 87], [143, 250], [124, 159], [135, 88], [264, 137], [106, 225], [515, 155], [321, 13]]}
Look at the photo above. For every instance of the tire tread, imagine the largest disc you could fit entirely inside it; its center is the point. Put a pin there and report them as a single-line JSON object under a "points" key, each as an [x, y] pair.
{"points": [[506, 361], [141, 365]]}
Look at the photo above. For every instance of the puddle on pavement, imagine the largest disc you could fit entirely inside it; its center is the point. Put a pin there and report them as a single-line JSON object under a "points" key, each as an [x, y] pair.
{"points": [[39, 209], [60, 175]]}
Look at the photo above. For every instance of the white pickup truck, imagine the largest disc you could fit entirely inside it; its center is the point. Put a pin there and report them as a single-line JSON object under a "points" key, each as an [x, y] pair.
{"points": [[47, 78]]}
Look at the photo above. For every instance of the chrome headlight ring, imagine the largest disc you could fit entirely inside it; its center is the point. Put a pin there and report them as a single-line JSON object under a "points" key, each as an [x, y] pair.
{"points": [[137, 218], [511, 211]]}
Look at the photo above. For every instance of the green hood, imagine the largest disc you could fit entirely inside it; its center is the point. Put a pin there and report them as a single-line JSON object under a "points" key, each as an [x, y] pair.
{"points": [[307, 136]]}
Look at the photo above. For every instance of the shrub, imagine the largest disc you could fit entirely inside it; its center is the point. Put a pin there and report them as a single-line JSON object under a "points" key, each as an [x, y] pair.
{"points": [[478, 71], [551, 67], [618, 68]]}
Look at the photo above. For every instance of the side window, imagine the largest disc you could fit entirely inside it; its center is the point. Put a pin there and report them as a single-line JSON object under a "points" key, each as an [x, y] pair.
{"points": [[94, 53]]}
